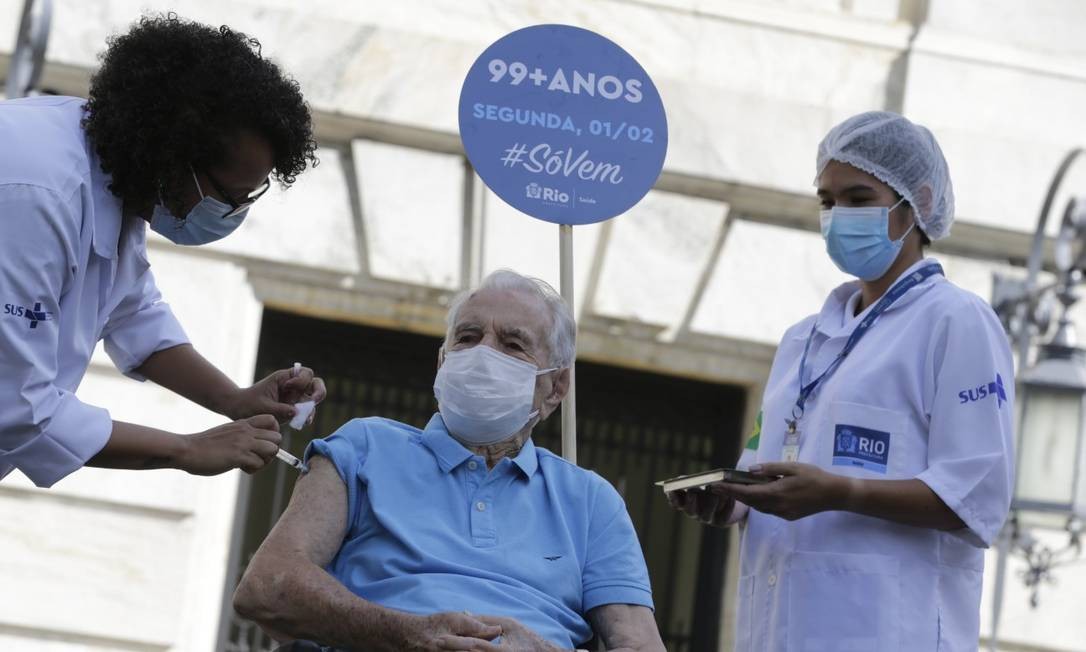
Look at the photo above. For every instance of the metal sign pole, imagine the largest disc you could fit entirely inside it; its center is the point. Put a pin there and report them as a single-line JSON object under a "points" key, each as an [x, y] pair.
{"points": [[569, 405], [598, 151]]}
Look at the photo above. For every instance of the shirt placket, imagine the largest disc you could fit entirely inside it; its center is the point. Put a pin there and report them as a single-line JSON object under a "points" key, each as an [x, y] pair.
{"points": [[481, 491]]}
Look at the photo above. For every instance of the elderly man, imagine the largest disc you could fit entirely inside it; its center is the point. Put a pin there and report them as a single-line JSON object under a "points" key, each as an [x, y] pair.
{"points": [[464, 535]]}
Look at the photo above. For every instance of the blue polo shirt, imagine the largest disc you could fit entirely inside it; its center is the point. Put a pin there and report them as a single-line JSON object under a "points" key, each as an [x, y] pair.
{"points": [[431, 529]]}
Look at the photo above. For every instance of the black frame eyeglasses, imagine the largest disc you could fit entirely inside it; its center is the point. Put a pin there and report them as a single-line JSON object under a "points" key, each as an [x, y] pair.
{"points": [[235, 207]]}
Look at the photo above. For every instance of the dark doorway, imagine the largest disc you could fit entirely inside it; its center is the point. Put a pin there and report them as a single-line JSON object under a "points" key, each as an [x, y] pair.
{"points": [[634, 428]]}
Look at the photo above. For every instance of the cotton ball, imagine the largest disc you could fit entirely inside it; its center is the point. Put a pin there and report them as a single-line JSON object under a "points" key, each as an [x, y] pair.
{"points": [[305, 408]]}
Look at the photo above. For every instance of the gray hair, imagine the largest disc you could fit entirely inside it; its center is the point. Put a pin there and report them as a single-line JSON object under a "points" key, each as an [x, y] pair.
{"points": [[563, 332]]}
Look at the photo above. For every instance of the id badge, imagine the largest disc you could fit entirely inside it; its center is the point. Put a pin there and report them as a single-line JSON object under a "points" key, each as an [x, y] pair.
{"points": [[790, 452]]}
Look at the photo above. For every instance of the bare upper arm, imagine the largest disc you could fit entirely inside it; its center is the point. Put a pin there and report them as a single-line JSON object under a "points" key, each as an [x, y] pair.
{"points": [[626, 627], [315, 521]]}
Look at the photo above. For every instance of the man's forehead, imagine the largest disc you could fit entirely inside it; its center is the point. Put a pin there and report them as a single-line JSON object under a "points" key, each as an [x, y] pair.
{"points": [[505, 309]]}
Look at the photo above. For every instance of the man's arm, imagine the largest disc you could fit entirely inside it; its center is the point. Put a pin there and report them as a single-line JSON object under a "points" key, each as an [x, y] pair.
{"points": [[286, 589], [626, 628]]}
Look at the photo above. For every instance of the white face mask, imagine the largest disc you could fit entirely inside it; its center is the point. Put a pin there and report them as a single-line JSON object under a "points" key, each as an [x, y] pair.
{"points": [[484, 395]]}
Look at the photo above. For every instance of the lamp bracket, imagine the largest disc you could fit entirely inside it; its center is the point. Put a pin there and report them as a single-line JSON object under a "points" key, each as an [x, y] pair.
{"points": [[1009, 293], [1041, 559]]}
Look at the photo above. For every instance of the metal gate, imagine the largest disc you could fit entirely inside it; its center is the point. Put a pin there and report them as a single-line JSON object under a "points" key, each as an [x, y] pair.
{"points": [[633, 427]]}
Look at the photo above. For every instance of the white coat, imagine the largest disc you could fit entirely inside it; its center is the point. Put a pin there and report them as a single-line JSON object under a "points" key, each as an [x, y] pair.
{"points": [[928, 393], [72, 272]]}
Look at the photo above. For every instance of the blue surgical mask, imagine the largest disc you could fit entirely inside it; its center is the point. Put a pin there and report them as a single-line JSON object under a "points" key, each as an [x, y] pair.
{"points": [[203, 224], [858, 239]]}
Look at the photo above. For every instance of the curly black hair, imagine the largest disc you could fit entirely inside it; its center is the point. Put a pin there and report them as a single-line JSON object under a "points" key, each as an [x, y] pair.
{"points": [[171, 93]]}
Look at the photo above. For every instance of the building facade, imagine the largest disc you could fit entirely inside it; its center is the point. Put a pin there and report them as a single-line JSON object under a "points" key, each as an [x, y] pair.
{"points": [[680, 302]]}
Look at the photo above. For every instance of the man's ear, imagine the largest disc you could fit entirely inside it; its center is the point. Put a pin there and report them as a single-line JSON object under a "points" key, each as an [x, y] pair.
{"points": [[559, 389]]}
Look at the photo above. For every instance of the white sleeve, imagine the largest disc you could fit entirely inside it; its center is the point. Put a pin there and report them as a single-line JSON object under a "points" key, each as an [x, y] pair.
{"points": [[971, 431], [45, 431], [141, 325]]}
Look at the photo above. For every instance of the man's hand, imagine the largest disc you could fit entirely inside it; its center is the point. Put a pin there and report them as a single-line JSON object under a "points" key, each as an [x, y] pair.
{"points": [[712, 506], [276, 395], [248, 444], [514, 636], [802, 490], [443, 631]]}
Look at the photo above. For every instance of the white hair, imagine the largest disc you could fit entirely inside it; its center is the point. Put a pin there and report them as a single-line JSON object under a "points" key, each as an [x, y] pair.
{"points": [[563, 331]]}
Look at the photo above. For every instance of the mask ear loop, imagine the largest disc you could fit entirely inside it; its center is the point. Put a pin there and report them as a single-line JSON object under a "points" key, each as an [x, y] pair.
{"points": [[201, 190], [911, 226], [906, 234], [535, 413], [538, 374]]}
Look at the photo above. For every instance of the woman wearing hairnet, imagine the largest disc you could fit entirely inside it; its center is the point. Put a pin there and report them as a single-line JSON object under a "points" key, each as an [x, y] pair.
{"points": [[886, 426]]}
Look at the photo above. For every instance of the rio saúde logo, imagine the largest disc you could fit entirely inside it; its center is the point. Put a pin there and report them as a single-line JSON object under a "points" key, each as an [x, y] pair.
{"points": [[982, 392], [33, 316], [547, 195]]}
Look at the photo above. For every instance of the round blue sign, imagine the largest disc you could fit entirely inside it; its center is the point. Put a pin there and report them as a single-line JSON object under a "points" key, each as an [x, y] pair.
{"points": [[563, 124]]}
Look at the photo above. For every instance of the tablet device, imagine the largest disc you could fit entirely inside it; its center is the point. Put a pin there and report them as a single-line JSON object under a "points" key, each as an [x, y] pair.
{"points": [[705, 478]]}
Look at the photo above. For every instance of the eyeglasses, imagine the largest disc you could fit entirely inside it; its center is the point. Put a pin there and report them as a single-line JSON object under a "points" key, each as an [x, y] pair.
{"points": [[235, 206]]}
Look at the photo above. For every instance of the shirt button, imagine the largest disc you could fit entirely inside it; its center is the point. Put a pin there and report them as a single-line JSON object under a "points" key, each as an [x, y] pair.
{"points": [[473, 465], [481, 506], [772, 579]]}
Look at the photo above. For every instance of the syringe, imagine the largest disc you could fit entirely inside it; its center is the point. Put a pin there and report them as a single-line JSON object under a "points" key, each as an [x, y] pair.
{"points": [[282, 454], [291, 460]]}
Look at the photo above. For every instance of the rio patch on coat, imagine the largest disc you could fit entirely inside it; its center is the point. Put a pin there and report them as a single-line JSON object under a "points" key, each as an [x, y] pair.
{"points": [[861, 447]]}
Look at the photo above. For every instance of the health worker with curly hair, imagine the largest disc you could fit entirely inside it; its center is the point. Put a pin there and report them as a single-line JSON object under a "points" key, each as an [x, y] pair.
{"points": [[185, 127]]}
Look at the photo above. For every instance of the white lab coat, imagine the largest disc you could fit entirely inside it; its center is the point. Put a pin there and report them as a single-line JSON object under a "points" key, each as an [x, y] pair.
{"points": [[72, 272], [920, 393]]}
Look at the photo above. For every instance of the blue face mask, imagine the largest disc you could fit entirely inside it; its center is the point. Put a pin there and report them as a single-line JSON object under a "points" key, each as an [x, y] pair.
{"points": [[858, 239], [204, 223]]}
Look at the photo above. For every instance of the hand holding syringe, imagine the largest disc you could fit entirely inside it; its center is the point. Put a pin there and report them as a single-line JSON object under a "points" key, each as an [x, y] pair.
{"points": [[304, 409]]}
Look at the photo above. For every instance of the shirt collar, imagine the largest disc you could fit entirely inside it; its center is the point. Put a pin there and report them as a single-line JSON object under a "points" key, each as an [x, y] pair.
{"points": [[526, 459], [830, 320], [451, 453], [108, 213], [848, 313]]}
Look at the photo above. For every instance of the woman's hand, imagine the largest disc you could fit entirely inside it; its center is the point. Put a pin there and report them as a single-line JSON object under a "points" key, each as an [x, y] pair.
{"points": [[801, 490], [182, 370], [277, 394], [248, 444]]}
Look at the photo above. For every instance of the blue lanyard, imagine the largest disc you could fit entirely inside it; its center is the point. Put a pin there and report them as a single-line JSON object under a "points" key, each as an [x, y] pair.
{"points": [[895, 293]]}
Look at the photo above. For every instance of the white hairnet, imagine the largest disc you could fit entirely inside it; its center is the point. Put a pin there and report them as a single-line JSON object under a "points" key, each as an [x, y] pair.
{"points": [[902, 155]]}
